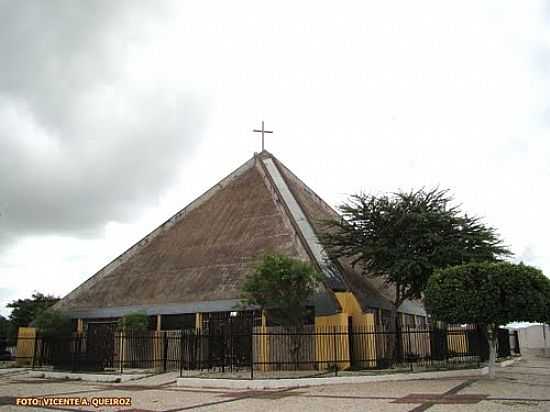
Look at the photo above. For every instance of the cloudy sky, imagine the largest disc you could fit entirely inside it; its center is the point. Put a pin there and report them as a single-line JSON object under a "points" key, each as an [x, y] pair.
{"points": [[116, 114]]}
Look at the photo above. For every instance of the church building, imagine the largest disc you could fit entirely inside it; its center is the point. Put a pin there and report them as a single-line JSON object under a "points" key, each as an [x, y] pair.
{"points": [[189, 271]]}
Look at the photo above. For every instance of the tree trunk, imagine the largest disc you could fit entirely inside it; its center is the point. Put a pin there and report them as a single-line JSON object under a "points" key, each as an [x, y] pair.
{"points": [[492, 337]]}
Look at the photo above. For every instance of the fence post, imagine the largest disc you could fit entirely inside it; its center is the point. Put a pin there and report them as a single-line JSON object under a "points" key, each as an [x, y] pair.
{"points": [[165, 350], [231, 351], [74, 353], [223, 348], [34, 349], [121, 352], [335, 351], [351, 345], [181, 353], [79, 351], [410, 348], [252, 352]]}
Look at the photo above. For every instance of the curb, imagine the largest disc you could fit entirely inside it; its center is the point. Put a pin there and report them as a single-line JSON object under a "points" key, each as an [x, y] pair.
{"points": [[86, 376], [303, 382], [12, 371]]}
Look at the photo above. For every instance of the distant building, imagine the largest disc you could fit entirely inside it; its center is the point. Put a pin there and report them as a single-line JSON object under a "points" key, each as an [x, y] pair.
{"points": [[188, 272], [534, 337]]}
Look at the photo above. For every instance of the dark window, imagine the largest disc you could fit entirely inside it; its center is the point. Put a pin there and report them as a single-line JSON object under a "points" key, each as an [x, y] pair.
{"points": [[274, 317], [113, 322], [178, 322], [236, 320]]}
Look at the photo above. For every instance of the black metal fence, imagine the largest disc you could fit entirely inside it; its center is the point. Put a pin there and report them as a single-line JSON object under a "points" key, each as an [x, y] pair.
{"points": [[257, 352]]}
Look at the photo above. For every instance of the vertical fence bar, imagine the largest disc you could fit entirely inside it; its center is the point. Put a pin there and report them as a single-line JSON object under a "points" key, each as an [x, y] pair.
{"points": [[252, 353], [335, 351], [223, 347], [231, 349], [79, 352], [351, 344], [181, 353], [73, 347], [165, 350], [121, 352], [34, 349], [409, 354]]}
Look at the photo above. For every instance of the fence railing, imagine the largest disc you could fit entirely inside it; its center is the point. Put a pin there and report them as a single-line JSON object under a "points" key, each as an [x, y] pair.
{"points": [[258, 352]]}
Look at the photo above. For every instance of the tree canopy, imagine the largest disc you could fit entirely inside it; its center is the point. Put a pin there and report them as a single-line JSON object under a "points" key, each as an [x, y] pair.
{"points": [[5, 327], [24, 311], [489, 293], [282, 286], [134, 322], [52, 323], [403, 237]]}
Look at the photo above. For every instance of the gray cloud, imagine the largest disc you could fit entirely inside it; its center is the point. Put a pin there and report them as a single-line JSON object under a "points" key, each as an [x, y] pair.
{"points": [[81, 143]]}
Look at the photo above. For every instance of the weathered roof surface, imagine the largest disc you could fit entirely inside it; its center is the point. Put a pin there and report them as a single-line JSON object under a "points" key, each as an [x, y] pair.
{"points": [[202, 254], [198, 259]]}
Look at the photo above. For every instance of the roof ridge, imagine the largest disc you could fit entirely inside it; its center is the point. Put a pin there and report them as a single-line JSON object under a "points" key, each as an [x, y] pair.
{"points": [[307, 234]]}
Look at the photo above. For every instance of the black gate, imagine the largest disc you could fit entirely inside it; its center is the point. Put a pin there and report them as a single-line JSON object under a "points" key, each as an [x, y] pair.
{"points": [[439, 344], [55, 351], [100, 345], [503, 343], [225, 340]]}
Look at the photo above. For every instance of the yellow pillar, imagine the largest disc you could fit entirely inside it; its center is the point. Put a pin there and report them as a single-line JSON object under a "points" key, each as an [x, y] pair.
{"points": [[331, 341], [26, 338], [263, 349]]}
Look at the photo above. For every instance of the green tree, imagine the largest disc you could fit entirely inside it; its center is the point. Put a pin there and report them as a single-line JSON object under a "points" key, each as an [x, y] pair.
{"points": [[282, 286], [51, 322], [24, 311], [135, 322], [403, 237], [5, 327], [489, 294]]}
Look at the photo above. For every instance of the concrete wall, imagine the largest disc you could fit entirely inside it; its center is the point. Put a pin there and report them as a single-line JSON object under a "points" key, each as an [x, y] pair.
{"points": [[532, 337]]}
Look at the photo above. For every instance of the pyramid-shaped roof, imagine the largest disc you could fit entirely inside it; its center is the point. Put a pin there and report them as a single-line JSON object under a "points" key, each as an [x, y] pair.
{"points": [[198, 259]]}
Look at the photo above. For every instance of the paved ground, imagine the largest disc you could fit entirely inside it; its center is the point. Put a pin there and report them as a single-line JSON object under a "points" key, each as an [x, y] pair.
{"points": [[525, 386]]}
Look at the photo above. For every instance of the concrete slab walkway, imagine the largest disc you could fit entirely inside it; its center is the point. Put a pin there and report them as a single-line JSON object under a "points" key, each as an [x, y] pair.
{"points": [[524, 386]]}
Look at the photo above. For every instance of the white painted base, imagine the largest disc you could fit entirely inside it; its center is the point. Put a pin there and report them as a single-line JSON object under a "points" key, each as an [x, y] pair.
{"points": [[508, 362], [86, 376], [301, 382]]}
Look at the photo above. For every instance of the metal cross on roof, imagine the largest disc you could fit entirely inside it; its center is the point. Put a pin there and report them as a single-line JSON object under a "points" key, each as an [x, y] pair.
{"points": [[262, 131]]}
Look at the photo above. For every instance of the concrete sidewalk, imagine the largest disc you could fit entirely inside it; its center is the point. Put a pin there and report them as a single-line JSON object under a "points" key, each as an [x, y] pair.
{"points": [[524, 386]]}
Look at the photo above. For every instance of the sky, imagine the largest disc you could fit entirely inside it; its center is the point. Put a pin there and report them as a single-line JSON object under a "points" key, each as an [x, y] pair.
{"points": [[115, 115]]}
